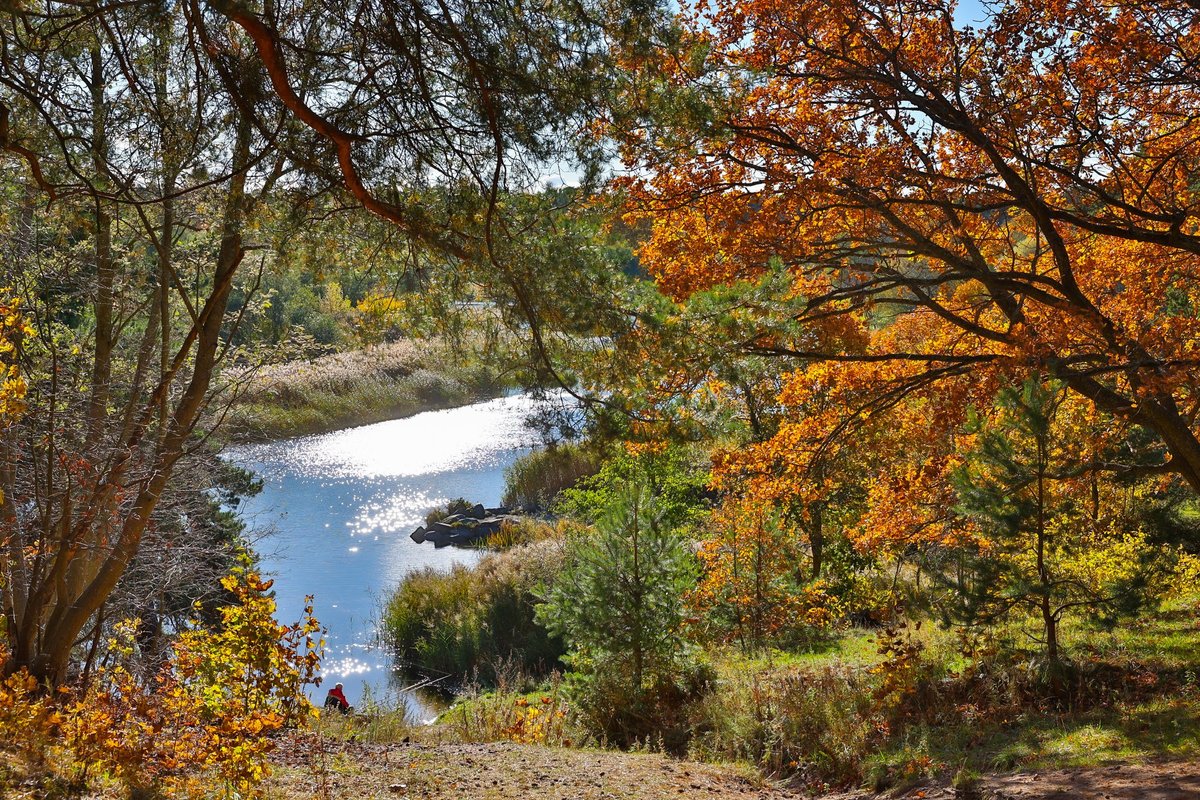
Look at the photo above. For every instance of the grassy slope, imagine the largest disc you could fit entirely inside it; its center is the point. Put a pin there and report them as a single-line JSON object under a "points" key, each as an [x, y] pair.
{"points": [[1151, 669], [356, 388]]}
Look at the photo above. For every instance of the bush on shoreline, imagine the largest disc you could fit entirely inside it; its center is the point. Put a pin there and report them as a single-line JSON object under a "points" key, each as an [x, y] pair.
{"points": [[534, 481], [476, 623]]}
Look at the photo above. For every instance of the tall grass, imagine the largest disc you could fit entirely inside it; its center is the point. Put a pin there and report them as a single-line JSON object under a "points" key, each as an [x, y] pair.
{"points": [[541, 717], [534, 480], [356, 388], [820, 723]]}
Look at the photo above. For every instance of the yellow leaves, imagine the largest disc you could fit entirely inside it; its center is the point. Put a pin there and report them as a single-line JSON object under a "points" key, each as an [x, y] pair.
{"points": [[1186, 577], [528, 723], [13, 388], [200, 727], [1103, 560]]}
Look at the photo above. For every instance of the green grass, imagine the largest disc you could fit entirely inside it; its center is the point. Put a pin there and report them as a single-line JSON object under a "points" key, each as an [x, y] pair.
{"points": [[1135, 733], [1136, 699], [1140, 702], [826, 716]]}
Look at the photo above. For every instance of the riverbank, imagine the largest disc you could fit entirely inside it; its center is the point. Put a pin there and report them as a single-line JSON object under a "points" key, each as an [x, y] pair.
{"points": [[359, 387]]}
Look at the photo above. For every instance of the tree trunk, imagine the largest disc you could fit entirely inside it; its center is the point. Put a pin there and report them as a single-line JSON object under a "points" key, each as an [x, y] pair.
{"points": [[102, 304], [817, 540]]}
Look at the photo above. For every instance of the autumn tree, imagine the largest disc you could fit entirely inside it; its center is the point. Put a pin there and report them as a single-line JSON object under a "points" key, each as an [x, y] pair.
{"points": [[753, 586], [975, 202]]}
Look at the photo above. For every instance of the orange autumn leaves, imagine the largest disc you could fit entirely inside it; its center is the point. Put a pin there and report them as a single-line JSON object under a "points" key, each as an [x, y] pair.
{"points": [[957, 209], [753, 589]]}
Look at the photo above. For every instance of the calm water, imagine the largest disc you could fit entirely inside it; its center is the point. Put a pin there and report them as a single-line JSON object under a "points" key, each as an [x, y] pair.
{"points": [[336, 509]]}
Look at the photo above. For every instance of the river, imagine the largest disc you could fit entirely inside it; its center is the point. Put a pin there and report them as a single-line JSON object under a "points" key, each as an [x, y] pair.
{"points": [[336, 509]]}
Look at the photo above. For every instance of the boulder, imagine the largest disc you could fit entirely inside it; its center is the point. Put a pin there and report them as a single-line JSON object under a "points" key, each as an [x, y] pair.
{"points": [[488, 526], [463, 537], [439, 534], [418, 535], [478, 511]]}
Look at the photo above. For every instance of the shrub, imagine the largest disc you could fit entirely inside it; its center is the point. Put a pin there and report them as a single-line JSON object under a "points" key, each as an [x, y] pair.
{"points": [[474, 622], [200, 727], [459, 505], [542, 717]]}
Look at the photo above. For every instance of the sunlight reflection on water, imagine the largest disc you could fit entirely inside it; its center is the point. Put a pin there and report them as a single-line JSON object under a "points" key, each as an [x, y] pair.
{"points": [[472, 437], [336, 510]]}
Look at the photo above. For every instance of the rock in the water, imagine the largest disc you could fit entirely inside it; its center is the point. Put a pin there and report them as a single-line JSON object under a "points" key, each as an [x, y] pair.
{"points": [[464, 529], [439, 533]]}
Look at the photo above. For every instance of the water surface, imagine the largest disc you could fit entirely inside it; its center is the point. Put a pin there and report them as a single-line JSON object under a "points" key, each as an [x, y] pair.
{"points": [[336, 509]]}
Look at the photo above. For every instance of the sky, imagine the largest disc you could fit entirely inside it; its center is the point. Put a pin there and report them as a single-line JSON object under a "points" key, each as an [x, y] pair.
{"points": [[970, 12]]}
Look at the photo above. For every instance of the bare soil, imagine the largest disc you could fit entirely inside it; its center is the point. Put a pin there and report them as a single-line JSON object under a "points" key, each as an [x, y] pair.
{"points": [[501, 771], [1163, 781], [311, 769]]}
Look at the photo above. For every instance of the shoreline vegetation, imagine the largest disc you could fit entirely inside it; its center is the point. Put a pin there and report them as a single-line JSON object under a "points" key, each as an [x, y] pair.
{"points": [[900, 704], [358, 387]]}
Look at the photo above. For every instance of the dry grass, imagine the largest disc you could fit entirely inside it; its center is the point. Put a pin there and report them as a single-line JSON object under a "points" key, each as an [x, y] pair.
{"points": [[359, 387]]}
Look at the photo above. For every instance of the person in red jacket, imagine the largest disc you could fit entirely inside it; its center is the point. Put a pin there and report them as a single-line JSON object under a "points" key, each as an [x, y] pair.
{"points": [[337, 699]]}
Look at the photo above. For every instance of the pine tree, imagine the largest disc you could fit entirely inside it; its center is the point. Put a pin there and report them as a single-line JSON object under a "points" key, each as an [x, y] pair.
{"points": [[619, 607], [619, 603], [1037, 548]]}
